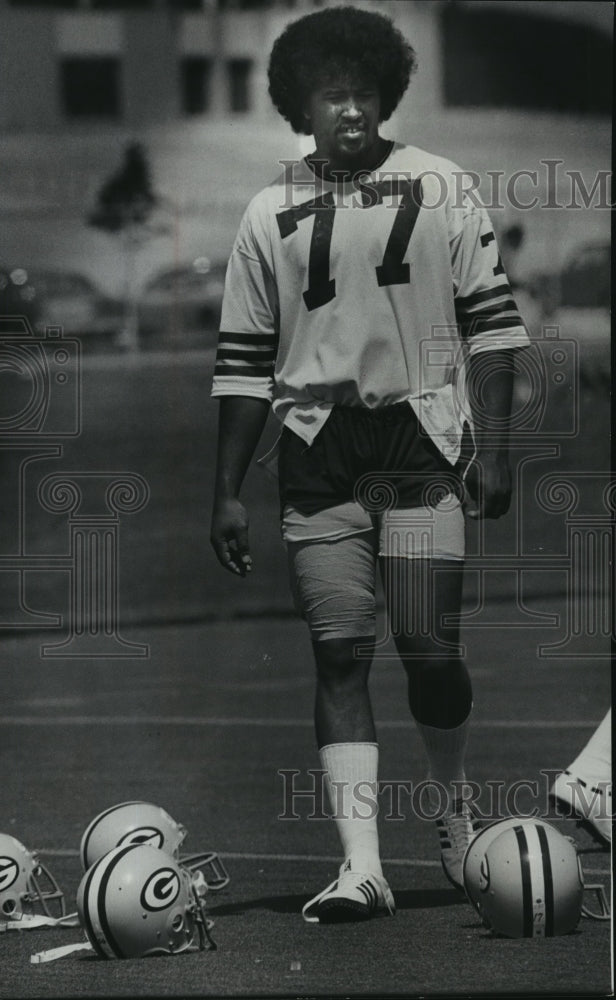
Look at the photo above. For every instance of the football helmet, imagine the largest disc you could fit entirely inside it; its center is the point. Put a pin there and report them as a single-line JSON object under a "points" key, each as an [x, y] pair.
{"points": [[473, 857], [28, 890], [145, 823], [530, 881], [137, 900]]}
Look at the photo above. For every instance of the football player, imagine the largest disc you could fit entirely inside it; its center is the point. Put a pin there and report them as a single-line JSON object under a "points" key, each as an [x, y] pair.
{"points": [[364, 290], [584, 789]]}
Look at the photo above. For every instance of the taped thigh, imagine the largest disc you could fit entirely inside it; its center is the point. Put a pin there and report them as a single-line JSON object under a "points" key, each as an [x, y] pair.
{"points": [[333, 585]]}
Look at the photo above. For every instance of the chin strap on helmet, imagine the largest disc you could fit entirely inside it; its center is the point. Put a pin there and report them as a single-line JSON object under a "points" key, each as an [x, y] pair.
{"points": [[52, 954], [29, 921], [204, 923]]}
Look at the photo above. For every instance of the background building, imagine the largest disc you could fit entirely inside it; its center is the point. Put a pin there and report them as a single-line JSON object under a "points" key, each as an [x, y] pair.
{"points": [[503, 87]]}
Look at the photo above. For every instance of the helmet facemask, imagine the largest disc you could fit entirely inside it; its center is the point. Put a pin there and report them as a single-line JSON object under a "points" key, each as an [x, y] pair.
{"points": [[45, 891], [208, 863], [29, 894]]}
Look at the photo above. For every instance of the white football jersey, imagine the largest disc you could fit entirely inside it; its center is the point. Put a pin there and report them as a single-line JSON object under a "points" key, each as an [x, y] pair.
{"points": [[366, 293]]}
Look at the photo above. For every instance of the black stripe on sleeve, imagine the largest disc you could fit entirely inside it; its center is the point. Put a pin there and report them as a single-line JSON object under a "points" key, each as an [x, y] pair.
{"points": [[487, 325], [249, 371], [470, 327], [492, 309], [256, 339], [468, 301], [254, 357], [246, 354]]}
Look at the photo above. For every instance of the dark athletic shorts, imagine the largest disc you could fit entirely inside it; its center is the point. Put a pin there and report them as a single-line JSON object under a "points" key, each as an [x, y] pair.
{"points": [[379, 457]]}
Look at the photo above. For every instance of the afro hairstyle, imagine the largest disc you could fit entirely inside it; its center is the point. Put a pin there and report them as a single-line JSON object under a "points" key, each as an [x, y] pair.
{"points": [[338, 40]]}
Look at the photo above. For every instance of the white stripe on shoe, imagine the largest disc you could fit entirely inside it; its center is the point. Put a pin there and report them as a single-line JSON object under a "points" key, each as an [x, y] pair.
{"points": [[352, 896]]}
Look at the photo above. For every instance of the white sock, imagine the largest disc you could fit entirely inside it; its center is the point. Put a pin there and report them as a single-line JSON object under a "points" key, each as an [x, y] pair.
{"points": [[446, 750], [351, 779], [595, 760]]}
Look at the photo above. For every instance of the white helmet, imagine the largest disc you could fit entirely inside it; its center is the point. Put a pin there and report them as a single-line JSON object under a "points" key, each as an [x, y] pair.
{"points": [[28, 890], [130, 823], [144, 823], [137, 900], [483, 885], [531, 882], [473, 858]]}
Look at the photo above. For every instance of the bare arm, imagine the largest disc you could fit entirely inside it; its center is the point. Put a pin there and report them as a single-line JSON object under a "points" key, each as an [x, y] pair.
{"points": [[490, 387], [240, 425]]}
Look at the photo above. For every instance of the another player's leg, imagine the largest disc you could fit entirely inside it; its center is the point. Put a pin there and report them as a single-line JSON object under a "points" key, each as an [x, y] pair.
{"points": [[423, 597], [584, 789], [333, 583]]}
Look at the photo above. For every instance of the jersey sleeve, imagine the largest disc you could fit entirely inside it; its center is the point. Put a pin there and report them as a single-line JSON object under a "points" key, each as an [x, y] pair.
{"points": [[486, 312], [248, 338]]}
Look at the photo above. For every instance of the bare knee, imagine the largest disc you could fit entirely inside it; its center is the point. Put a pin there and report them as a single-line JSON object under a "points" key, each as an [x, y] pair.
{"points": [[343, 662], [433, 668], [439, 690]]}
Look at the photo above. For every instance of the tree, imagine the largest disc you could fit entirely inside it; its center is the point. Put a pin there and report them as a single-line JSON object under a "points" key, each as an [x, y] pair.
{"points": [[124, 207]]}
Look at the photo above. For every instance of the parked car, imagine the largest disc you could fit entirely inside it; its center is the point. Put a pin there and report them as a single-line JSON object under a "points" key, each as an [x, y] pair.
{"points": [[585, 278], [18, 295], [582, 283], [183, 300], [58, 298], [73, 301]]}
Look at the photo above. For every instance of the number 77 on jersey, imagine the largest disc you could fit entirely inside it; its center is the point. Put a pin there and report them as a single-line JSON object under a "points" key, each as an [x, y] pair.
{"points": [[392, 270]]}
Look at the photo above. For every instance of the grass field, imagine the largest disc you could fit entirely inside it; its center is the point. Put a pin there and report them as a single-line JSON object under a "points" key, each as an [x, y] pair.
{"points": [[223, 703]]}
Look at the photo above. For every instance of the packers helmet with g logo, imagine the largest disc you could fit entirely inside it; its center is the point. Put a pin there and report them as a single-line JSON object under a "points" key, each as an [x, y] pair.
{"points": [[138, 822], [137, 900], [29, 894]]}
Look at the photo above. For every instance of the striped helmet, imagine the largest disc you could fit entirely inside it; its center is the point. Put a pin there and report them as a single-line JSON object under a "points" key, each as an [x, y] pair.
{"points": [[530, 882], [130, 823], [137, 900], [475, 852], [144, 823]]}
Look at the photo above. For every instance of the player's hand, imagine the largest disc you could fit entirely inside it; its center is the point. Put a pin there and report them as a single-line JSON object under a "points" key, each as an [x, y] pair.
{"points": [[487, 486], [229, 536]]}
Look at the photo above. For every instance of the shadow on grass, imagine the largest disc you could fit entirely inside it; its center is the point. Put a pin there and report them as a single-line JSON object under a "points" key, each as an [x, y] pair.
{"points": [[406, 899]]}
